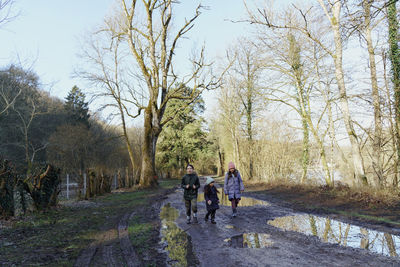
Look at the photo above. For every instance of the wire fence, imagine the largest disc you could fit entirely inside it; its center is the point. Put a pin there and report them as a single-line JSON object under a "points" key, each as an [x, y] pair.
{"points": [[71, 188]]}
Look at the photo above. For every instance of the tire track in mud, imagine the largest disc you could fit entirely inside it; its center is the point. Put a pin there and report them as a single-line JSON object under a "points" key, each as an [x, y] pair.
{"points": [[108, 256], [86, 256], [128, 251], [102, 251], [112, 245]]}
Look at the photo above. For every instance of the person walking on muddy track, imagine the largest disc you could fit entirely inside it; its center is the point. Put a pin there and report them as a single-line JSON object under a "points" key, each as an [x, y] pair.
{"points": [[233, 187], [211, 198], [190, 184]]}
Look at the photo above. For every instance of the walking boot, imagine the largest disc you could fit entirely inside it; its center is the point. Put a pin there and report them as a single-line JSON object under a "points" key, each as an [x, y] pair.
{"points": [[195, 219], [188, 219], [206, 218], [213, 218], [234, 213]]}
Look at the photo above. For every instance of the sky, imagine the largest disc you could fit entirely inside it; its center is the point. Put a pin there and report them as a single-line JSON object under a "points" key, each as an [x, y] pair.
{"points": [[47, 33]]}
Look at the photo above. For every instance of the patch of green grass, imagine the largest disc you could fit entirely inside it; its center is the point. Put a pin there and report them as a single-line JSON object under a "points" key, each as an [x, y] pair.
{"points": [[169, 183], [125, 196], [139, 233]]}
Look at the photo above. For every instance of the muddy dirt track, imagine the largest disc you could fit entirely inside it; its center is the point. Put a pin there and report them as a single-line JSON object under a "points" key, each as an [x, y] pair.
{"points": [[266, 234]]}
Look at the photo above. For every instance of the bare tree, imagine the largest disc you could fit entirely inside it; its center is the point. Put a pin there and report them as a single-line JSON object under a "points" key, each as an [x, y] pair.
{"points": [[6, 15], [364, 21], [7, 98], [230, 116], [295, 65], [108, 58], [26, 117], [332, 11], [368, 26], [22, 117], [244, 75], [7, 12], [143, 30]]}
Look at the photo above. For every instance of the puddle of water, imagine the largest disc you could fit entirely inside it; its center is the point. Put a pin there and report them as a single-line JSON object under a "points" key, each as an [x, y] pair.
{"points": [[332, 231], [250, 240], [244, 202], [178, 243]]}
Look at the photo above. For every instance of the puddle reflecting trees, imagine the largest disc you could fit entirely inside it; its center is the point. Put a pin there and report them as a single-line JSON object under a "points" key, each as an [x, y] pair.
{"points": [[178, 243], [244, 202], [332, 231], [250, 240]]}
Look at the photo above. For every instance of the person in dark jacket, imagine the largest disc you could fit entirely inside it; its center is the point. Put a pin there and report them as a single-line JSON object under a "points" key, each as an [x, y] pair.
{"points": [[211, 198], [233, 187], [190, 184]]}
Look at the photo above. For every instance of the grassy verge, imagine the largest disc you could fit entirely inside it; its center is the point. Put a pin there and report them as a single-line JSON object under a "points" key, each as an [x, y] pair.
{"points": [[56, 238]]}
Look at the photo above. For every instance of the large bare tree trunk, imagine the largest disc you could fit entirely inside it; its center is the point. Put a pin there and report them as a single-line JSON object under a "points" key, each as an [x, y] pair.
{"points": [[395, 64], [148, 176], [377, 138], [338, 60], [391, 124], [236, 150], [301, 99], [250, 95], [128, 143], [221, 162]]}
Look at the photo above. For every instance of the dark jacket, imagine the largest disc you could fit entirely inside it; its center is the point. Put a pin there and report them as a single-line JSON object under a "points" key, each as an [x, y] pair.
{"points": [[233, 185], [190, 179], [211, 193]]}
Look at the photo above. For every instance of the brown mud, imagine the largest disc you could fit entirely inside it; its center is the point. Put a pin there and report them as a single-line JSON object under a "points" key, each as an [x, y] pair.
{"points": [[275, 226], [272, 231]]}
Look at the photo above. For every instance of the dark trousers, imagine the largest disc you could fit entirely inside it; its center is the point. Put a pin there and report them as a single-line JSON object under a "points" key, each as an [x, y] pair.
{"points": [[212, 213], [191, 205], [234, 203]]}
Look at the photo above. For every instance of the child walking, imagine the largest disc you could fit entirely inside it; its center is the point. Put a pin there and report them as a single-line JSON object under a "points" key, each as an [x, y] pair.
{"points": [[211, 198], [233, 187], [190, 184]]}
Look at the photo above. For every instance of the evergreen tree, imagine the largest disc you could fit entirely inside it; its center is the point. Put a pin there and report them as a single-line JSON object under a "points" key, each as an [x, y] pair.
{"points": [[183, 138], [76, 107]]}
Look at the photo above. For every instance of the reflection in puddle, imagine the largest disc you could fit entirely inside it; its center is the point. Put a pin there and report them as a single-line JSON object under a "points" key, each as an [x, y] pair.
{"points": [[178, 243], [244, 202], [332, 231], [250, 240]]}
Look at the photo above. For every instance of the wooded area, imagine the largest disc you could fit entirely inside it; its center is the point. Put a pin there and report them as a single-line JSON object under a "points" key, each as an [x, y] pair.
{"points": [[312, 96]]}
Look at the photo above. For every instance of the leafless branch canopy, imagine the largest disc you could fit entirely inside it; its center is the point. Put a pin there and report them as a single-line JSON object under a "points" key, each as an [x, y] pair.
{"points": [[7, 12]]}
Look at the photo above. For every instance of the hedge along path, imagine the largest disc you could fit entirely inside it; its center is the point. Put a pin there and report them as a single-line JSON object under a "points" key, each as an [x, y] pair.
{"points": [[106, 247]]}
